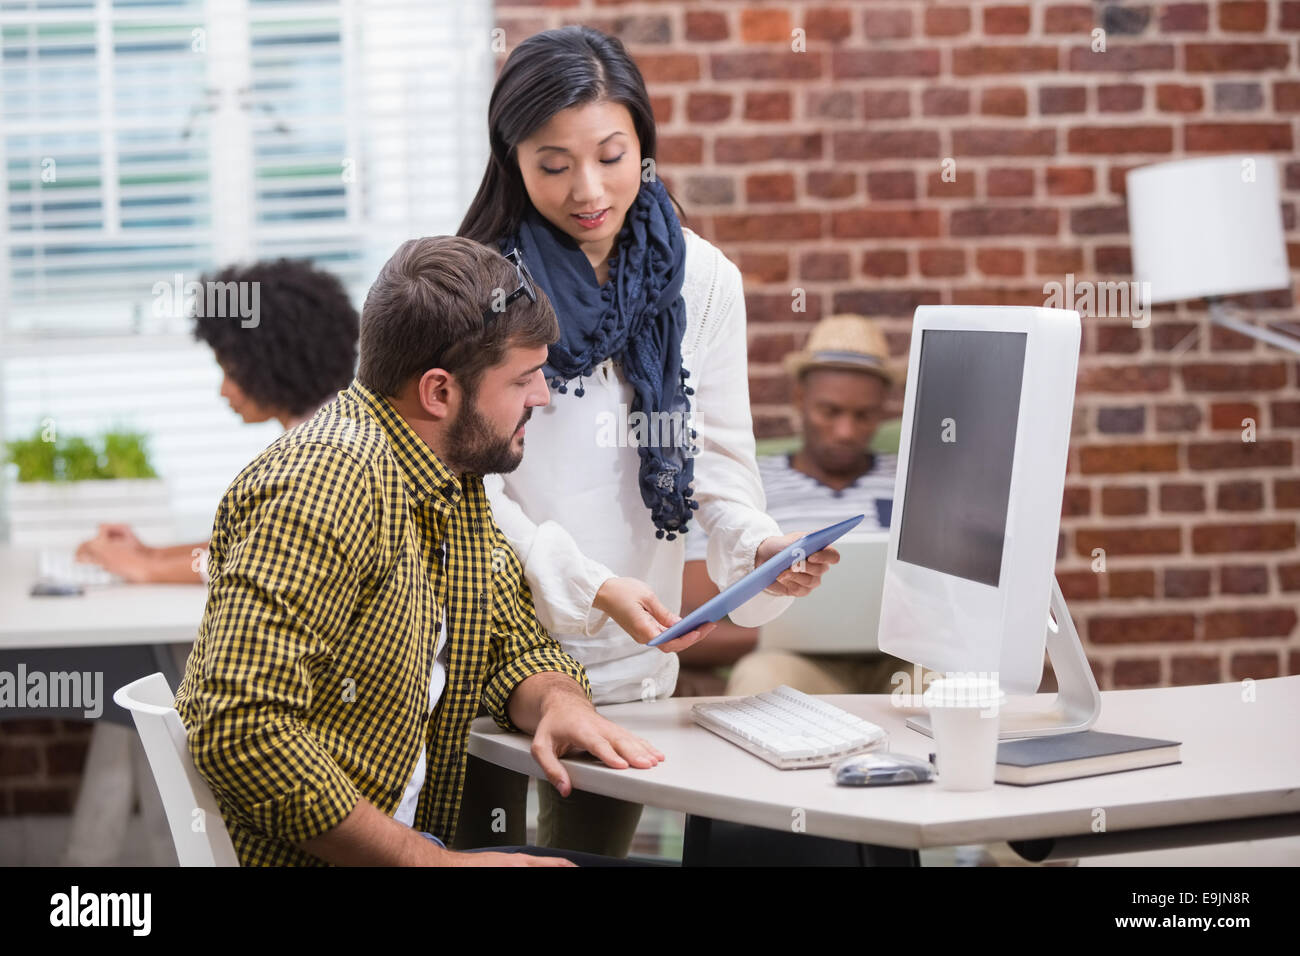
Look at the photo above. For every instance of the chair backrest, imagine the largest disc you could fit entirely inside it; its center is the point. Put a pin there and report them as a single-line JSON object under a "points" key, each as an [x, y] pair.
{"points": [[192, 814]]}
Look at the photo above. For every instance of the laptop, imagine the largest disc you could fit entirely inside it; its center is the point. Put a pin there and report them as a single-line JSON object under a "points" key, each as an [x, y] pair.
{"points": [[842, 616]]}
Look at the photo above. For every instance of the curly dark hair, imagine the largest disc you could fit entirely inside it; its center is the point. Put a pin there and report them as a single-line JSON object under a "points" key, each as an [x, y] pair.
{"points": [[303, 347]]}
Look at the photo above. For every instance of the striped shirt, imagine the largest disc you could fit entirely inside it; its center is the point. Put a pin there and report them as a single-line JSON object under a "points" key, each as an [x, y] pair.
{"points": [[309, 683], [800, 502]]}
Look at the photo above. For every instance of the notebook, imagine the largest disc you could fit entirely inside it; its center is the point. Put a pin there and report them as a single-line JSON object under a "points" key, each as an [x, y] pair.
{"points": [[1088, 754]]}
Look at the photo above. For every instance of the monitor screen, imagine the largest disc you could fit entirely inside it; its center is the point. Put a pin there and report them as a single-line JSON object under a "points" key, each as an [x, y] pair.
{"points": [[963, 438]]}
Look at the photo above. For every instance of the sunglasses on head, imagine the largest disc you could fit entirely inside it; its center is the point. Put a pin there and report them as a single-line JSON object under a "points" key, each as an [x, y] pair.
{"points": [[526, 287]]}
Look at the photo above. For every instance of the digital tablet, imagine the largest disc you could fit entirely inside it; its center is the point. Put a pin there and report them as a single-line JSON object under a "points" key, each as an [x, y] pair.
{"points": [[757, 580]]}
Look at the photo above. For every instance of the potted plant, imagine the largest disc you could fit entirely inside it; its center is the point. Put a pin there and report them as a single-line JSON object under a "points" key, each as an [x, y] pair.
{"points": [[60, 490]]}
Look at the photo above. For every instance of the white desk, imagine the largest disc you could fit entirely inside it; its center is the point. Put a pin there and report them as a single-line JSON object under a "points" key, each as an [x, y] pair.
{"points": [[1239, 779], [109, 616], [122, 631]]}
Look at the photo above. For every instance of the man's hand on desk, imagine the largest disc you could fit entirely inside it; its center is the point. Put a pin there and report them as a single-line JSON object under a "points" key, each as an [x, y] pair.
{"points": [[636, 609], [568, 722], [801, 577]]}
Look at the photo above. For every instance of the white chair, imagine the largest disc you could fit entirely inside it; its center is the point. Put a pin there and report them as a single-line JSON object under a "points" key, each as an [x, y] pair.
{"points": [[192, 814]]}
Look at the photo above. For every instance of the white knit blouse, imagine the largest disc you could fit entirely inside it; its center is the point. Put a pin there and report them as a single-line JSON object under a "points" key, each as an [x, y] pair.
{"points": [[573, 512]]}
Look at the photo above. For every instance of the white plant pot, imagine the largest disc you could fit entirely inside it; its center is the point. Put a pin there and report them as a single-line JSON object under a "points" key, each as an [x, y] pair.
{"points": [[60, 514]]}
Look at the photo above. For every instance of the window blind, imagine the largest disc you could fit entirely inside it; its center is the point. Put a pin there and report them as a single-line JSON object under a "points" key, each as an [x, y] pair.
{"points": [[150, 141]]}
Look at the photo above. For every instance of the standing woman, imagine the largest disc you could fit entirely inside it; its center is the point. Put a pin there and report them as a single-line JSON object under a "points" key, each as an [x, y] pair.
{"points": [[652, 330]]}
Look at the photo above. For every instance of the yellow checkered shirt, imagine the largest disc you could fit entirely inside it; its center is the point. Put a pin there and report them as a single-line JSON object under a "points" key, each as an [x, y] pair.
{"points": [[308, 685]]}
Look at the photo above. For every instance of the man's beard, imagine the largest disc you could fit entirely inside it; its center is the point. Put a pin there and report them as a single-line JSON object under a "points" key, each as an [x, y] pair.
{"points": [[476, 448]]}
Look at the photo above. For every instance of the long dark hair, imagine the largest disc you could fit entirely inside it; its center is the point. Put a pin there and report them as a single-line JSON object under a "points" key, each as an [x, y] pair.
{"points": [[546, 73]]}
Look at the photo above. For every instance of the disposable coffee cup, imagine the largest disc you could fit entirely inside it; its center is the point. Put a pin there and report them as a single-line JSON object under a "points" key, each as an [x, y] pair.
{"points": [[964, 717]]}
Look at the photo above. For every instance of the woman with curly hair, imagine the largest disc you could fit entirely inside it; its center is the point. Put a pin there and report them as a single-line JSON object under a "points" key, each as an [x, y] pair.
{"points": [[300, 351]]}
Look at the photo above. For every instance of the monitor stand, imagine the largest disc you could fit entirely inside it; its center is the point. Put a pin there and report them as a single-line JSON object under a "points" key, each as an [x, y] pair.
{"points": [[1077, 704]]}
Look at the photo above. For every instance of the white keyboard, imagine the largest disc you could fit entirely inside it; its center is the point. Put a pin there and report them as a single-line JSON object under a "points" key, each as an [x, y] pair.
{"points": [[62, 567], [790, 729]]}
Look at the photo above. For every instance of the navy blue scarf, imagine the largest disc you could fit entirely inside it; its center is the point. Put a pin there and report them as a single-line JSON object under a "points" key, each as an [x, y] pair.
{"points": [[638, 318]]}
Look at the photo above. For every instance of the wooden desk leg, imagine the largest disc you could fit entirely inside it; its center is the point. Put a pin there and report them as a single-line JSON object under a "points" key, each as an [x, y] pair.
{"points": [[709, 842]]}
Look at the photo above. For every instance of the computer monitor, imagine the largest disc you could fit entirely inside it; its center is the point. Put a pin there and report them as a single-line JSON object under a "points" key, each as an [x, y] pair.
{"points": [[977, 502]]}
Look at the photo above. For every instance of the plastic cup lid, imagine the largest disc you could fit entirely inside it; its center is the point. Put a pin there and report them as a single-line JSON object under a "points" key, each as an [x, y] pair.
{"points": [[964, 692]]}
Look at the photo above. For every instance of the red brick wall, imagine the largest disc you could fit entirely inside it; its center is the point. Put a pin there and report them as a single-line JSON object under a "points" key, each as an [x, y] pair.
{"points": [[821, 170], [40, 765]]}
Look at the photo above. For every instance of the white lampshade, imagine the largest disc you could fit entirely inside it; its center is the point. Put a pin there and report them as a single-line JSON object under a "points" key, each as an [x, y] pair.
{"points": [[1207, 227]]}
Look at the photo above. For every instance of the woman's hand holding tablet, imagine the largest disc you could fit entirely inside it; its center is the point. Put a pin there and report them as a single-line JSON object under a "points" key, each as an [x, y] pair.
{"points": [[638, 611], [774, 574], [801, 578]]}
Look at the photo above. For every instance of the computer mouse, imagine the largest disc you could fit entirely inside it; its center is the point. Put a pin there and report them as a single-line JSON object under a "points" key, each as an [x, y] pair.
{"points": [[872, 769], [48, 588]]}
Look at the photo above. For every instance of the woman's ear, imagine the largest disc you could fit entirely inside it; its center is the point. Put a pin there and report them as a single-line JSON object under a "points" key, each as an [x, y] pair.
{"points": [[439, 394]]}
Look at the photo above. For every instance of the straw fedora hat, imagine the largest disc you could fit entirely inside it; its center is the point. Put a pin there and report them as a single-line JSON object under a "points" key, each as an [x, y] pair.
{"points": [[851, 342]]}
